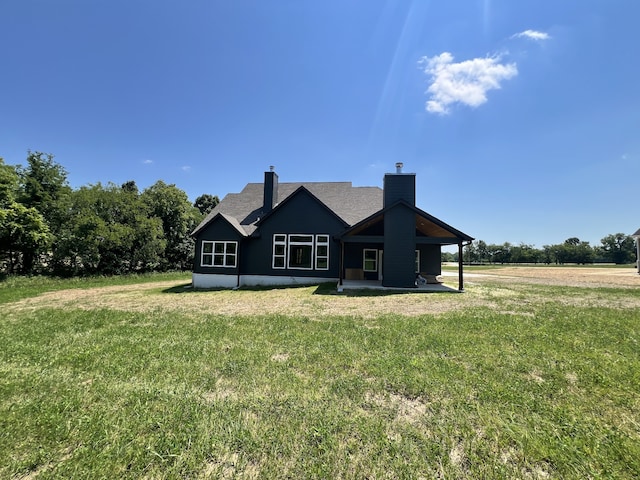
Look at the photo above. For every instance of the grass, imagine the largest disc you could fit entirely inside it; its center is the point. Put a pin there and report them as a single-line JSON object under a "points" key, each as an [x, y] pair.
{"points": [[534, 381]]}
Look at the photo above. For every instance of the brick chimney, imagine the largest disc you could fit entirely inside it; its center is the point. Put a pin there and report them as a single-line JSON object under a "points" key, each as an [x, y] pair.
{"points": [[270, 197]]}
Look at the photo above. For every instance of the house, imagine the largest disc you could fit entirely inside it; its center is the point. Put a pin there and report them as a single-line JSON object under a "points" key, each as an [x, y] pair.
{"points": [[637, 237], [276, 233]]}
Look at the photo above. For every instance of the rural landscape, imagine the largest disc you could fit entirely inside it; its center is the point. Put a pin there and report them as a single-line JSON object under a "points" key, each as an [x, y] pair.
{"points": [[532, 372]]}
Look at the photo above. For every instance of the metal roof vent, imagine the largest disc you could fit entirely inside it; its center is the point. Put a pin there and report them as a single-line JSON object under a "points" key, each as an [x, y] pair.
{"points": [[271, 168], [399, 166]]}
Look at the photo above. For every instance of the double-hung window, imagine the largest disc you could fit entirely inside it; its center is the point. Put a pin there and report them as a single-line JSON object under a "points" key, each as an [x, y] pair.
{"points": [[219, 254], [370, 260], [300, 251]]}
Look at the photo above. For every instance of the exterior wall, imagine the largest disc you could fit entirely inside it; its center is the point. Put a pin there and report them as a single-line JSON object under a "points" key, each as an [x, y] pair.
{"points": [[300, 215], [399, 248], [204, 280], [218, 230], [258, 280], [400, 186], [209, 280]]}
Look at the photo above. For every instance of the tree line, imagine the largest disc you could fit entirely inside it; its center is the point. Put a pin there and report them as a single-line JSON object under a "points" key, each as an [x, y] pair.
{"points": [[617, 248], [46, 227]]}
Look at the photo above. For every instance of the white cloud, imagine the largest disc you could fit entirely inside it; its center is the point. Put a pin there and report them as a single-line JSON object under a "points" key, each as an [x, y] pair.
{"points": [[465, 82], [186, 168], [533, 35], [147, 162]]}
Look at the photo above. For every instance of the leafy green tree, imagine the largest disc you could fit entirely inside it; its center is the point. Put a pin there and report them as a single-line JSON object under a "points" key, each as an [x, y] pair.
{"points": [[44, 186], [23, 232], [618, 248], [23, 235], [9, 182], [179, 217], [109, 232], [206, 202]]}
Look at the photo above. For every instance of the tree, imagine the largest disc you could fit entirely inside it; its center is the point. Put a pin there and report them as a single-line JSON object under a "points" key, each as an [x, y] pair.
{"points": [[109, 232], [178, 216], [23, 235], [618, 248], [9, 182], [206, 202], [43, 186]]}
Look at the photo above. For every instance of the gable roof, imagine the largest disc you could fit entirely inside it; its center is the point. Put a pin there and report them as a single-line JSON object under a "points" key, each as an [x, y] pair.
{"points": [[300, 191], [426, 223], [349, 203], [637, 234]]}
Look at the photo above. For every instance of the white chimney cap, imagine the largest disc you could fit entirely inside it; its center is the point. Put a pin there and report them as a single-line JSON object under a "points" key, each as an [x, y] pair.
{"points": [[399, 166]]}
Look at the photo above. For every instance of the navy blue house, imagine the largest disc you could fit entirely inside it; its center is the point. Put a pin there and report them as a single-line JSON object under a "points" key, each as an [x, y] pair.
{"points": [[307, 233]]}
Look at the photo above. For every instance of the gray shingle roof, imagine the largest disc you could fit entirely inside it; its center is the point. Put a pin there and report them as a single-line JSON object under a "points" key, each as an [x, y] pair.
{"points": [[350, 203]]}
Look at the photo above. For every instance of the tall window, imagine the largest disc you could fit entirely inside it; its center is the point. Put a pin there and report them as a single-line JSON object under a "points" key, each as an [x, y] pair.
{"points": [[370, 260], [279, 251], [219, 254], [417, 261], [322, 252], [300, 252]]}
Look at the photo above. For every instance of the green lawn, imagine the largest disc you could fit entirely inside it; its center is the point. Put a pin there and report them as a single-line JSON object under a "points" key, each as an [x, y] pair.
{"points": [[531, 386]]}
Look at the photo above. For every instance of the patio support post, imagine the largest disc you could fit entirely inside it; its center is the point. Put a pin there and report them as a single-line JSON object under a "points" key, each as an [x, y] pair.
{"points": [[460, 261]]}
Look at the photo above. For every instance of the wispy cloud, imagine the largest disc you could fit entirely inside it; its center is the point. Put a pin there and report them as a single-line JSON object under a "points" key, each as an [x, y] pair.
{"points": [[147, 162], [465, 82], [186, 168], [533, 35]]}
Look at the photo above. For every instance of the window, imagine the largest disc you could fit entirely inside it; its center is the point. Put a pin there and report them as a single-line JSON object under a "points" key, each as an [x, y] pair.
{"points": [[417, 261], [322, 252], [370, 260], [300, 252], [219, 254], [279, 251]]}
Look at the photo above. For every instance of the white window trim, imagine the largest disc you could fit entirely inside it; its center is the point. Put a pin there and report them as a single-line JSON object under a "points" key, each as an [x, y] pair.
{"points": [[291, 243], [364, 258], [283, 242], [320, 243], [315, 241], [224, 254]]}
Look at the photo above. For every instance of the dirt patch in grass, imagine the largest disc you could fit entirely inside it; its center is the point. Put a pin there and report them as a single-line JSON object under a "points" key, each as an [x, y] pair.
{"points": [[568, 276], [501, 288]]}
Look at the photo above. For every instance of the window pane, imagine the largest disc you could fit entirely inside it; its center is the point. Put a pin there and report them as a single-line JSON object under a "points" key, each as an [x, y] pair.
{"points": [[207, 247], [322, 250], [219, 247], [278, 262], [231, 247], [301, 238], [278, 249], [321, 264], [300, 256], [218, 260], [231, 260], [280, 238], [323, 238], [207, 259], [370, 254]]}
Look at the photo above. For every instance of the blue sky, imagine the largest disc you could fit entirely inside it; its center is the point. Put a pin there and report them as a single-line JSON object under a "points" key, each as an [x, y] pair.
{"points": [[520, 118]]}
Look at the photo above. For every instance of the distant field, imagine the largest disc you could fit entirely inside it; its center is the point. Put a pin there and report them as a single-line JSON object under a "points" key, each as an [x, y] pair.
{"points": [[531, 373]]}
